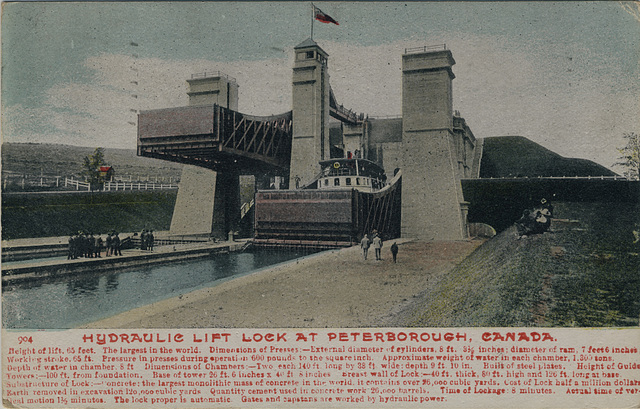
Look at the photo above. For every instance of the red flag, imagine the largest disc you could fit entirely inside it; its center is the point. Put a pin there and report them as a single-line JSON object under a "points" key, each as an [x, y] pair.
{"points": [[325, 18]]}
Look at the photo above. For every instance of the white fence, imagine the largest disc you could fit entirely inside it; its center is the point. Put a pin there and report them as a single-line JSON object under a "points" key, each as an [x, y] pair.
{"points": [[25, 181], [109, 186], [14, 181], [113, 186], [68, 182]]}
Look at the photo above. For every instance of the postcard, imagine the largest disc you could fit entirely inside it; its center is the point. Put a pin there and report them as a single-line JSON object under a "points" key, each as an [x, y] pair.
{"points": [[333, 204]]}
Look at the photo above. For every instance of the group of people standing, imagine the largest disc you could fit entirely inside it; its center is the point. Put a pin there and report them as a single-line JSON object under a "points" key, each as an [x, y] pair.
{"points": [[376, 241], [89, 246], [535, 221], [147, 240]]}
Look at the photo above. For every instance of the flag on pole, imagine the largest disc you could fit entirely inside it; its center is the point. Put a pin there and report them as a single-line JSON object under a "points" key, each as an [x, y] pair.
{"points": [[323, 17]]}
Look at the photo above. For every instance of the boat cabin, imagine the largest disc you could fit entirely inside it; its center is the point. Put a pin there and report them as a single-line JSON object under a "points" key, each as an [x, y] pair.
{"points": [[359, 174]]}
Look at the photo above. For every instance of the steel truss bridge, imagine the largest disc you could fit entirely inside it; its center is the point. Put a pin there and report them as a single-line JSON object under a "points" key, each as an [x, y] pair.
{"points": [[224, 140], [217, 138]]}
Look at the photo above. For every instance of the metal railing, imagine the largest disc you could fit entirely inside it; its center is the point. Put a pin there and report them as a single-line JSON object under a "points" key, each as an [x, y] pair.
{"points": [[244, 209], [349, 114], [556, 178], [207, 74], [397, 116], [425, 48]]}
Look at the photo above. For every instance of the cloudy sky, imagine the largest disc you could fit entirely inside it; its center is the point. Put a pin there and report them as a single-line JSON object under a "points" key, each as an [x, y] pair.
{"points": [[565, 75]]}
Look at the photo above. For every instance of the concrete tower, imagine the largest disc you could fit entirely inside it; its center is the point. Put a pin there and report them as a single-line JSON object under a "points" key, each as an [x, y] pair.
{"points": [[208, 202], [310, 113], [215, 89], [432, 201]]}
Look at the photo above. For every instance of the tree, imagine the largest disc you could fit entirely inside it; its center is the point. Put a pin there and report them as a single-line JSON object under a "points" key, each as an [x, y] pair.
{"points": [[630, 158], [91, 167]]}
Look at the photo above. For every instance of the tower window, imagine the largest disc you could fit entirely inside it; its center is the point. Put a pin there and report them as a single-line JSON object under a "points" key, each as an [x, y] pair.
{"points": [[311, 54], [336, 182]]}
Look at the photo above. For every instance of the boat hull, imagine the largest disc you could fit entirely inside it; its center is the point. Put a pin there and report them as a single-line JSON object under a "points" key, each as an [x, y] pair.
{"points": [[325, 218]]}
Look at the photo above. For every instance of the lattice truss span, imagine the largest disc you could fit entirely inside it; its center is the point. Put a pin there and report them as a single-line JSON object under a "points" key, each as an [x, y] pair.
{"points": [[217, 138]]}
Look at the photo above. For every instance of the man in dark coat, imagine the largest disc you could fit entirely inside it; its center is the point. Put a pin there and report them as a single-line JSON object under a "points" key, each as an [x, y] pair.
{"points": [[109, 243], [143, 239], [91, 245], [116, 245], [98, 246], [150, 239], [71, 254], [394, 251], [82, 239]]}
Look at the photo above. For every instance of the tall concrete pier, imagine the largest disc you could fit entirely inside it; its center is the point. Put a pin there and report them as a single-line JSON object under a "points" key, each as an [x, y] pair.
{"points": [[213, 88], [430, 143], [310, 113], [208, 202], [432, 203]]}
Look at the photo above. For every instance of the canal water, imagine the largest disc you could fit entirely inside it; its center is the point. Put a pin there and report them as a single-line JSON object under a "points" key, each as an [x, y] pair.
{"points": [[71, 301]]}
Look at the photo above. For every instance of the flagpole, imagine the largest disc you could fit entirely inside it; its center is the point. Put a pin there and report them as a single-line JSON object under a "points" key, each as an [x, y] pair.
{"points": [[312, 16]]}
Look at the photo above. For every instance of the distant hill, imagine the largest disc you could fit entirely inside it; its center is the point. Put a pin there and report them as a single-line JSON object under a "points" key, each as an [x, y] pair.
{"points": [[66, 160], [517, 156]]}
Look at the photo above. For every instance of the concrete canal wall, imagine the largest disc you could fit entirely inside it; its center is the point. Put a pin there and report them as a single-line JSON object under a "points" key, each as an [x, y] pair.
{"points": [[42, 215], [39, 269]]}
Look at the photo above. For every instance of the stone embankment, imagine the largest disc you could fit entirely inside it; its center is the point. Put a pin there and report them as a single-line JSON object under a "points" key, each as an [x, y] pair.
{"points": [[46, 257]]}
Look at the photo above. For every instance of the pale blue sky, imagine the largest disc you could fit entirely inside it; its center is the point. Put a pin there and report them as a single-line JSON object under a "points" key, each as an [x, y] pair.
{"points": [[562, 74]]}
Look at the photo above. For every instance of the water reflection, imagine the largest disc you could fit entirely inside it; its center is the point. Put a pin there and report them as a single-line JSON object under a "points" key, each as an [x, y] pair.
{"points": [[70, 301], [82, 285], [112, 283]]}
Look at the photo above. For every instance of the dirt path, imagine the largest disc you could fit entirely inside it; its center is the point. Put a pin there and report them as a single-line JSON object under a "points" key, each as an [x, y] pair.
{"points": [[332, 289]]}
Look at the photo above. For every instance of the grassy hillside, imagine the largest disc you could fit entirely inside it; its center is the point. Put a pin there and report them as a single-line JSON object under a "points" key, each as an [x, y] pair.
{"points": [[43, 215], [582, 274], [516, 156], [66, 160]]}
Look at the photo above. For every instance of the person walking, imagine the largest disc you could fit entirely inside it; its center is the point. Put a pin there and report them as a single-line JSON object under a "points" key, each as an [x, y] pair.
{"points": [[394, 251], [364, 244], [377, 246]]}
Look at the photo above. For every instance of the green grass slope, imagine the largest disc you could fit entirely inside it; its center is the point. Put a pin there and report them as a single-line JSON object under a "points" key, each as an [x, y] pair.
{"points": [[516, 156], [581, 274], [46, 215]]}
